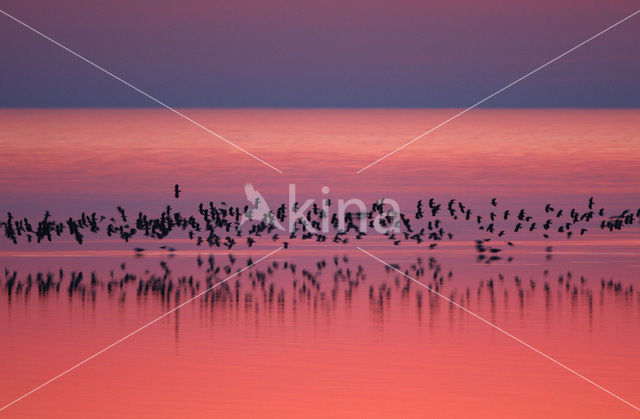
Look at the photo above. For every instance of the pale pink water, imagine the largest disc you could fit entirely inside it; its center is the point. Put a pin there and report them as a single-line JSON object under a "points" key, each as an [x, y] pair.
{"points": [[336, 351]]}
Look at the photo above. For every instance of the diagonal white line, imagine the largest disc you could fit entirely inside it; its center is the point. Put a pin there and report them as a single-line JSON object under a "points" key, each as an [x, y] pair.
{"points": [[137, 330], [138, 90], [501, 330], [499, 91]]}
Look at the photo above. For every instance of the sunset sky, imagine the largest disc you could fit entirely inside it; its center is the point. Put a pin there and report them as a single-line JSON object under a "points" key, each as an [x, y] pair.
{"points": [[328, 53]]}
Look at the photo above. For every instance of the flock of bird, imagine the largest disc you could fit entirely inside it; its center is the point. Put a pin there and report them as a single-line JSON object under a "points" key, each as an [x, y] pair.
{"points": [[224, 225], [322, 282]]}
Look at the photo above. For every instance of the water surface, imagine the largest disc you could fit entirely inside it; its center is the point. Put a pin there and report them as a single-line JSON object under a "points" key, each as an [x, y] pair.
{"points": [[325, 342]]}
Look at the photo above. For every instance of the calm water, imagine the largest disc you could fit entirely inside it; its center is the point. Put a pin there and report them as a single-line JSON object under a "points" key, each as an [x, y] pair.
{"points": [[342, 335]]}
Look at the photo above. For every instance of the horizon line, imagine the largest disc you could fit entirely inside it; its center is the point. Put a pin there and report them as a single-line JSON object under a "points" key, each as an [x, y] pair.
{"points": [[278, 107]]}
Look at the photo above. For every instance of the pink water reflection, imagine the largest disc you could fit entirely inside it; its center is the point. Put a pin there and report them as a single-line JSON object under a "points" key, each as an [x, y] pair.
{"points": [[342, 356]]}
